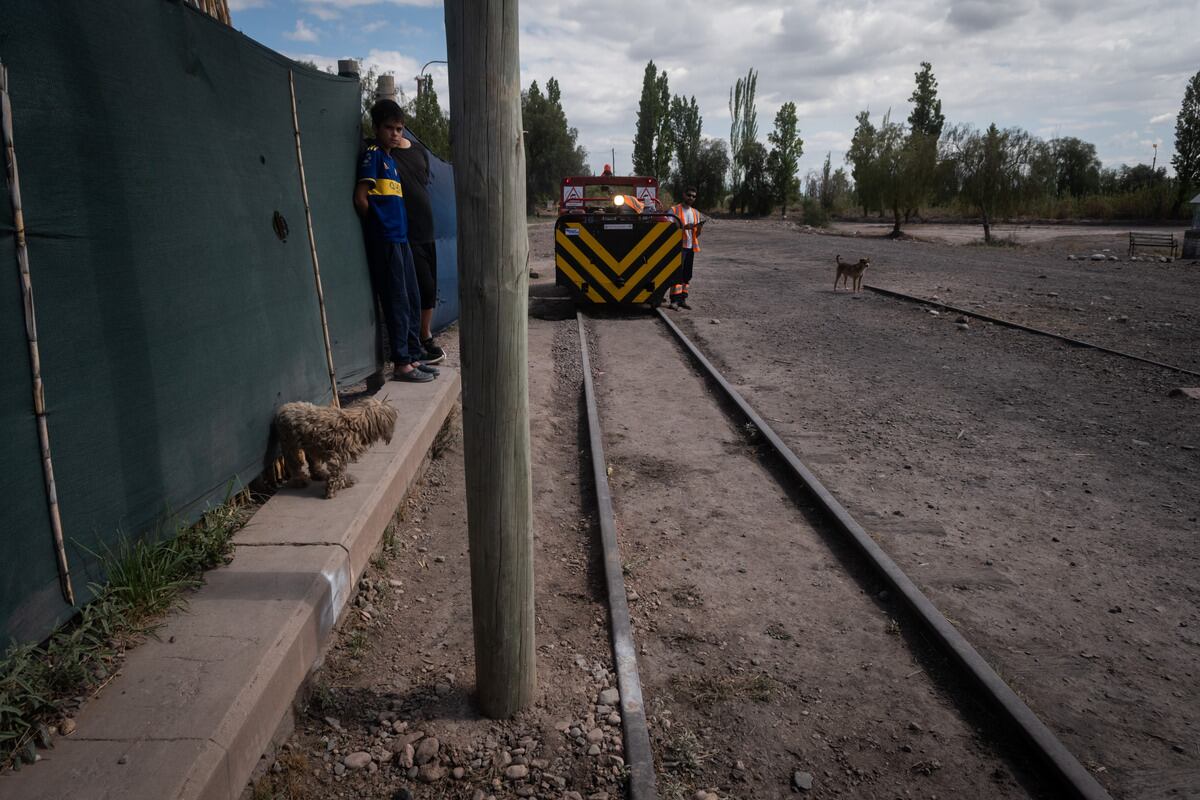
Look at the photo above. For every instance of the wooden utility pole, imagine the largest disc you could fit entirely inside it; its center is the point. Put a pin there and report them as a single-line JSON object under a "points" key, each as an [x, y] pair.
{"points": [[489, 184]]}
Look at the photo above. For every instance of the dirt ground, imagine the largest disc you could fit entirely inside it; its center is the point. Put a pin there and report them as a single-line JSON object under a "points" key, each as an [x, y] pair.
{"points": [[1043, 496]]}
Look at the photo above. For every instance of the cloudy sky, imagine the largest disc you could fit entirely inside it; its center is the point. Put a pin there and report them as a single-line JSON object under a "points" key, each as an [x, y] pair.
{"points": [[1112, 73]]}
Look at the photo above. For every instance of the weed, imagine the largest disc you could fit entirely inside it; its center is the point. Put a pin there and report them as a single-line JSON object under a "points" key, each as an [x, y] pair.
{"points": [[146, 578], [706, 689], [357, 643], [684, 754]]}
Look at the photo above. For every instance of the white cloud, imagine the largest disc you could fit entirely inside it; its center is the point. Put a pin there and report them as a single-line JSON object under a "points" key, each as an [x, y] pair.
{"points": [[1158, 119], [1053, 67], [302, 33], [372, 27], [325, 13], [242, 5]]}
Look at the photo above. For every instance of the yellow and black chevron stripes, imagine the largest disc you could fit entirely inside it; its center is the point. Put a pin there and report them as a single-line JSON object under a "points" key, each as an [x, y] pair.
{"points": [[617, 260], [386, 186]]}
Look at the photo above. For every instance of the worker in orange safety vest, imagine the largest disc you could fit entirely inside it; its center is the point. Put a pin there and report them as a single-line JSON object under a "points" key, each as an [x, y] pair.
{"points": [[691, 220]]}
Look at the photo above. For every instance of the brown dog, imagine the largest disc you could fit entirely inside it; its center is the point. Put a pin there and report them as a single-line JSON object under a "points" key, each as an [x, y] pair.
{"points": [[328, 438], [847, 272]]}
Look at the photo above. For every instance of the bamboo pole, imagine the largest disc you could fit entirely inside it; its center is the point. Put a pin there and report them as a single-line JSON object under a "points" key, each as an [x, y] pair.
{"points": [[489, 183], [312, 246], [35, 361]]}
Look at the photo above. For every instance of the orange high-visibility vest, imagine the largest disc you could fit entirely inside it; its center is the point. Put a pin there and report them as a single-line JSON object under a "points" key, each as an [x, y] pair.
{"points": [[688, 216]]}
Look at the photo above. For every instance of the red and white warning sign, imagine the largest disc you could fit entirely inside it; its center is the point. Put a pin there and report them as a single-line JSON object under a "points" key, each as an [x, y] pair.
{"points": [[647, 194], [572, 194]]}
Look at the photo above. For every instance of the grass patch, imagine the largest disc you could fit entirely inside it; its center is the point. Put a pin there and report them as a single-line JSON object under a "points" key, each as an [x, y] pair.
{"points": [[146, 578], [706, 689], [685, 754]]}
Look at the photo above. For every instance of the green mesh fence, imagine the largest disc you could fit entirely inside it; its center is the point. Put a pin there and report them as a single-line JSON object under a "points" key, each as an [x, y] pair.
{"points": [[155, 148]]}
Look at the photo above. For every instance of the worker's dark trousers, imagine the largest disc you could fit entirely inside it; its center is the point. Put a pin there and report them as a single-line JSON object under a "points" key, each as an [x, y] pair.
{"points": [[683, 278]]}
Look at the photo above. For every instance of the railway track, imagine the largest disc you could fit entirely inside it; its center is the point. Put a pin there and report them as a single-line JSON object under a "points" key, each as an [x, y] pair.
{"points": [[1027, 328], [1059, 772]]}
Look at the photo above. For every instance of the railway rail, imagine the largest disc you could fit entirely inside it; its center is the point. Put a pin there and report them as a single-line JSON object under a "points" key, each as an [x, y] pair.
{"points": [[1027, 328], [1061, 768]]}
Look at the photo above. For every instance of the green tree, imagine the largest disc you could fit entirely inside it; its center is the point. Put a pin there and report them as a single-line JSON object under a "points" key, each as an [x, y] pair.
{"points": [[428, 121], [686, 124], [926, 117], [1186, 159], [861, 157], [1077, 167], [925, 124], [743, 131], [551, 149], [784, 159], [664, 142], [991, 167], [893, 170], [712, 165], [649, 121], [756, 194]]}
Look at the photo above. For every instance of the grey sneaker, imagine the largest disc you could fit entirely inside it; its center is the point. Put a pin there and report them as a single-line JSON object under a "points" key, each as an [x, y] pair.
{"points": [[412, 376]]}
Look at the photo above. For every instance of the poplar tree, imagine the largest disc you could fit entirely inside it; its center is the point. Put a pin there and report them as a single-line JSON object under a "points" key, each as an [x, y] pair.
{"points": [[664, 141], [743, 133], [784, 159], [648, 117], [686, 124], [1186, 159]]}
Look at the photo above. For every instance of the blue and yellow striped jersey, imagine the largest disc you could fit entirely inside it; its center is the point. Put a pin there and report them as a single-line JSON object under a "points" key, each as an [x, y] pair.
{"points": [[388, 217]]}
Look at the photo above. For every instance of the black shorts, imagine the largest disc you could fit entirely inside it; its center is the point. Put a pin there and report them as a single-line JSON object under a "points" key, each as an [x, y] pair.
{"points": [[425, 259]]}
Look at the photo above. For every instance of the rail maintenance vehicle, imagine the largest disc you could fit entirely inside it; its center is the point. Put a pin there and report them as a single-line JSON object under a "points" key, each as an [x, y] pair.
{"points": [[614, 242]]}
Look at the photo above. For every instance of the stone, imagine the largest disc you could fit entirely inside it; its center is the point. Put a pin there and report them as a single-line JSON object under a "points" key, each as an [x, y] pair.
{"points": [[1192, 392], [714, 322], [516, 772], [458, 773], [357, 760], [431, 772], [442, 689], [614, 718], [427, 751], [595, 735], [594, 750], [67, 727], [1099, 257], [802, 780], [406, 756], [609, 697]]}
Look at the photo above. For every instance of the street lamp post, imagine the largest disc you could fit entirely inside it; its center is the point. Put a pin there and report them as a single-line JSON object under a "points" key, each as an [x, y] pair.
{"points": [[421, 75]]}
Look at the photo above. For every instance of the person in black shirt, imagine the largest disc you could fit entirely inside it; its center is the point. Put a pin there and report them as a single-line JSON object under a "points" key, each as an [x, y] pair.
{"points": [[412, 162]]}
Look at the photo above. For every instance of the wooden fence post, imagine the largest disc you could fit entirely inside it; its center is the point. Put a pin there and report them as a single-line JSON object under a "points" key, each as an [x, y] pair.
{"points": [[489, 183]]}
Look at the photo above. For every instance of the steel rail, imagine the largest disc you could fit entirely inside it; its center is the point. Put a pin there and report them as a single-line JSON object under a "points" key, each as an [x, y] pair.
{"points": [[638, 756], [1028, 329], [1063, 764]]}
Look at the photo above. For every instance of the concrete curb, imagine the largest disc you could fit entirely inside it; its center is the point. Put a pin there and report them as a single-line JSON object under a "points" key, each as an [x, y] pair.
{"points": [[191, 712]]}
